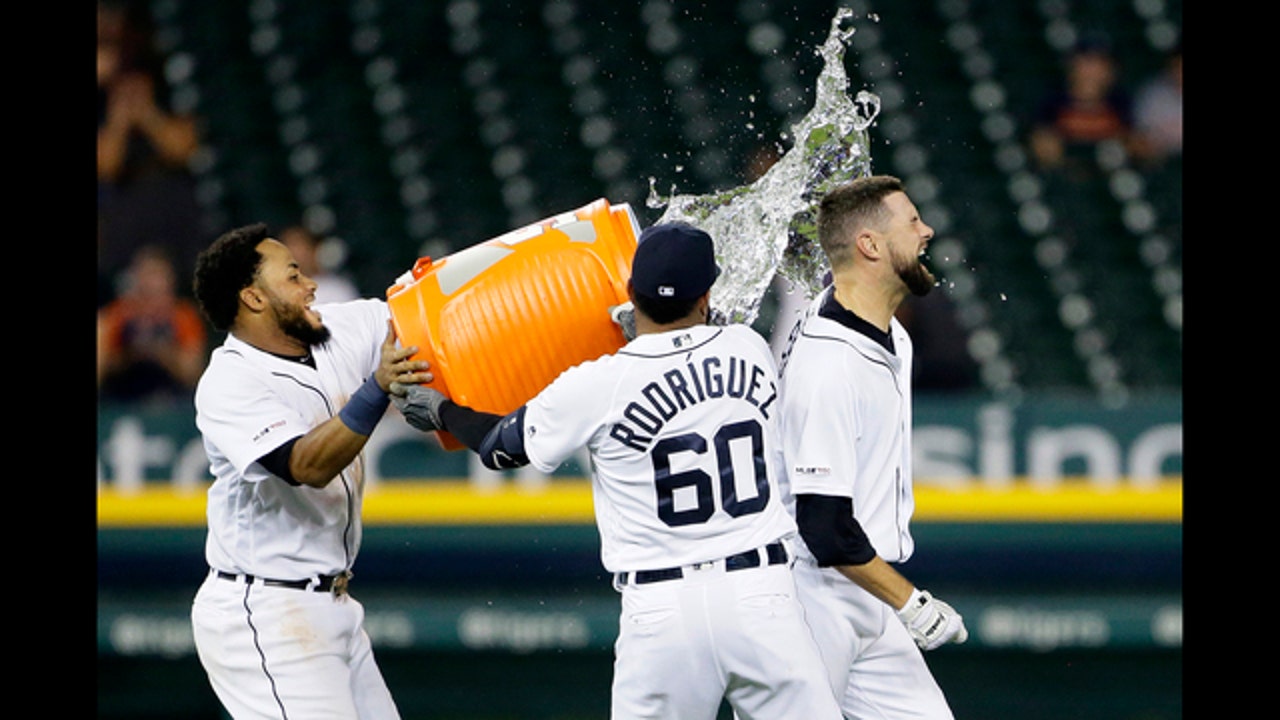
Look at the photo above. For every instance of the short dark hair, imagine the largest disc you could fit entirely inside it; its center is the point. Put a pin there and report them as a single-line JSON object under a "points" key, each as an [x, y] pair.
{"points": [[225, 268], [846, 209], [663, 310]]}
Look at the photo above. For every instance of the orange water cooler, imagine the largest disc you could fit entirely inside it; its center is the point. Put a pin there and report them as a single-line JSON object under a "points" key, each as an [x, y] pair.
{"points": [[498, 321]]}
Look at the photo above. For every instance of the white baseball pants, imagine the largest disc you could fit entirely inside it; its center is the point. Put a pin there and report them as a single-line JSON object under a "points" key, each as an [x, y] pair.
{"points": [[280, 653], [874, 666], [685, 644]]}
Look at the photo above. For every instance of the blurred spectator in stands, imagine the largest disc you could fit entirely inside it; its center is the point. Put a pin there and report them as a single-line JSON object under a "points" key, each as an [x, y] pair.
{"points": [[146, 192], [1088, 107], [1157, 112], [331, 285], [151, 342], [942, 361]]}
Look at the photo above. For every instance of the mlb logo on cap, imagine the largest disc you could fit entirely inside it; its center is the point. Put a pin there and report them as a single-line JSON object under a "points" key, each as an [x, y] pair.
{"points": [[674, 260]]}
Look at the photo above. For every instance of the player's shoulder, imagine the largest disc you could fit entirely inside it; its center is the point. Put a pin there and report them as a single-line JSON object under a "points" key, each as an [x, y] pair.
{"points": [[234, 358], [672, 343], [582, 385], [747, 338], [603, 366], [232, 368], [231, 353], [816, 348], [822, 336]]}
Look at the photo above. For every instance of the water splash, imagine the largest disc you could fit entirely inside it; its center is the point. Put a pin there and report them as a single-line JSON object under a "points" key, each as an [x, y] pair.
{"points": [[769, 226]]}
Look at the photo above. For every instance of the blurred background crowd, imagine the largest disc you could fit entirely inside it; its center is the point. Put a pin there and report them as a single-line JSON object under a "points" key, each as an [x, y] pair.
{"points": [[1043, 141]]}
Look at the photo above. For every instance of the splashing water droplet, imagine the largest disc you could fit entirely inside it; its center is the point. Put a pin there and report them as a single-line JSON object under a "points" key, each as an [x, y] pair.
{"points": [[770, 226]]}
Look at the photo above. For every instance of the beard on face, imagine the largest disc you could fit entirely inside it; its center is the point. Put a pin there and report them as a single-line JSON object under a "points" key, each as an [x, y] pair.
{"points": [[293, 321], [918, 279]]}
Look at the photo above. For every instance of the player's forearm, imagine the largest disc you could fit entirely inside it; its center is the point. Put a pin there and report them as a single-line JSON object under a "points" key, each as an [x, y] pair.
{"points": [[498, 440], [469, 426], [321, 454], [881, 580]]}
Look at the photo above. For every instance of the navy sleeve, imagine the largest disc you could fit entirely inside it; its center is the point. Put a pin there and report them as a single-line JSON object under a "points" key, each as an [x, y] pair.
{"points": [[498, 440], [828, 527], [277, 462], [503, 447], [469, 426]]}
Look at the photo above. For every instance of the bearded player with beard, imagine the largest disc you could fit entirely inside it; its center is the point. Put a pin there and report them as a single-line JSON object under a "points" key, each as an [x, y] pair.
{"points": [[845, 399], [285, 408]]}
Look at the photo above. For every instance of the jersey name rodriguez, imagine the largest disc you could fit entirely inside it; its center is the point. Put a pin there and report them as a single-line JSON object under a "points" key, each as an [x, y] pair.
{"points": [[686, 386]]}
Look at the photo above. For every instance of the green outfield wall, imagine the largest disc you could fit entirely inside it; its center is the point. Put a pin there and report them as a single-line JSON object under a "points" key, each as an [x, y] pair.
{"points": [[1056, 529], [956, 440]]}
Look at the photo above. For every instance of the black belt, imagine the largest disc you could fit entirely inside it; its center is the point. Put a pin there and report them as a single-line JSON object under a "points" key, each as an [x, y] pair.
{"points": [[327, 583], [776, 553]]}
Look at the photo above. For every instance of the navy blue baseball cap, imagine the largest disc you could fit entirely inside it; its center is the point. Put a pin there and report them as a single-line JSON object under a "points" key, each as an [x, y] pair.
{"points": [[673, 260]]}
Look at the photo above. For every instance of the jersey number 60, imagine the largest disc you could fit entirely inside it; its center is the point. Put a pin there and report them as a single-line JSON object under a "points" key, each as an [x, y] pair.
{"points": [[668, 483]]}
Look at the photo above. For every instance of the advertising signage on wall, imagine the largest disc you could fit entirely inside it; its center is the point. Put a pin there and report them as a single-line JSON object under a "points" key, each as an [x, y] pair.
{"points": [[1043, 441]]}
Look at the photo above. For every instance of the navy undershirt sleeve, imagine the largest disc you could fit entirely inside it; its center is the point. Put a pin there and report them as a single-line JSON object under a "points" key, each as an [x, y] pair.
{"points": [[833, 534], [277, 462], [469, 426], [498, 440]]}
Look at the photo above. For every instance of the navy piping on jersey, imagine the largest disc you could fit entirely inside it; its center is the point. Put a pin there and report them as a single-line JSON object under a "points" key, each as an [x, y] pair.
{"points": [[676, 351], [262, 655], [831, 309], [309, 359], [834, 311], [869, 358], [346, 483]]}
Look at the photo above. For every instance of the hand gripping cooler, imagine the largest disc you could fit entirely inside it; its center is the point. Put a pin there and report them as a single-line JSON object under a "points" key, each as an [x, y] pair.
{"points": [[500, 320]]}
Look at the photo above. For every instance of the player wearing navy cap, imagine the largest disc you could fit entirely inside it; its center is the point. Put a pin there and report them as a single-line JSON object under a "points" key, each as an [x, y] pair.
{"points": [[681, 426], [846, 423], [285, 407]]}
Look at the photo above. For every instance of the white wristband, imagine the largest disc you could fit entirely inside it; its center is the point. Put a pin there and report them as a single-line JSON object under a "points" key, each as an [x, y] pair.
{"points": [[918, 598]]}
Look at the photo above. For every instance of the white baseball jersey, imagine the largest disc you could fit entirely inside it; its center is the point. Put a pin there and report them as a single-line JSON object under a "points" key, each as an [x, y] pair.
{"points": [[248, 403], [270, 650], [681, 430], [846, 424]]}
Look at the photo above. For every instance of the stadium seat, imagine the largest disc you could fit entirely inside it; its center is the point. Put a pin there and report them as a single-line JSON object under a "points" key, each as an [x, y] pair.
{"points": [[410, 120]]}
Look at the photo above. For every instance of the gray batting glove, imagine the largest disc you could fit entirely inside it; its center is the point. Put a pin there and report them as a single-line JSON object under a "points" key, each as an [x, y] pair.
{"points": [[420, 405], [931, 622], [625, 316]]}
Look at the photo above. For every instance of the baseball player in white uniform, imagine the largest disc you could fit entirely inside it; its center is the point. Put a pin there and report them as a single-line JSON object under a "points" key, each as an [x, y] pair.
{"points": [[681, 428], [846, 423], [285, 407]]}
